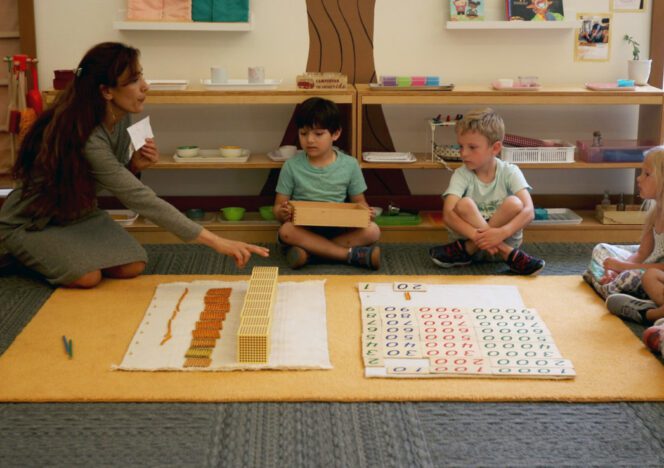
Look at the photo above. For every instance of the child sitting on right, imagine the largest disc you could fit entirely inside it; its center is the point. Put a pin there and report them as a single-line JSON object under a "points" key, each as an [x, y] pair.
{"points": [[487, 203], [630, 277]]}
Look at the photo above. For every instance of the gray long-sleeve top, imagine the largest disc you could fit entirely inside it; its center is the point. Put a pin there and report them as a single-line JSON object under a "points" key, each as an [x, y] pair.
{"points": [[108, 153]]}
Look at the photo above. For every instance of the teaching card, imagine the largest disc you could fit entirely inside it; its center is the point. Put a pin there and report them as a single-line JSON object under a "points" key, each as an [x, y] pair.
{"points": [[439, 332]]}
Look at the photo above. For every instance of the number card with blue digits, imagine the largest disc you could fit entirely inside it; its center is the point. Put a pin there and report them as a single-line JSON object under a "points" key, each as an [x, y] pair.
{"points": [[418, 330]]}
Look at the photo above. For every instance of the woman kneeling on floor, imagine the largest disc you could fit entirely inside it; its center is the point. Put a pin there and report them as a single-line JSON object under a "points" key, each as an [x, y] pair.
{"points": [[51, 223]]}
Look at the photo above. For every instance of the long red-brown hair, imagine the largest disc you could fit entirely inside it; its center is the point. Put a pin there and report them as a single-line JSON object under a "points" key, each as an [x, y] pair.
{"points": [[50, 164]]}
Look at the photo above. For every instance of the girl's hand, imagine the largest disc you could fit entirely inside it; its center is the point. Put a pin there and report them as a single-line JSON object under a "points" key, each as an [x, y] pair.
{"points": [[284, 212], [615, 265], [372, 213], [144, 157]]}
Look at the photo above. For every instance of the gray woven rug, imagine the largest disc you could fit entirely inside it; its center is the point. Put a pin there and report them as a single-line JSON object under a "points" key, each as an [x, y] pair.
{"points": [[322, 434]]}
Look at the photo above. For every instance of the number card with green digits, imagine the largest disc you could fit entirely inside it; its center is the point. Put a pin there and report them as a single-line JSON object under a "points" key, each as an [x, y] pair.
{"points": [[415, 330]]}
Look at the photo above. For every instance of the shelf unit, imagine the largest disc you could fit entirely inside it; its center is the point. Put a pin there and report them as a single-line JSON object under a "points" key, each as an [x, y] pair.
{"points": [[283, 95], [649, 99]]}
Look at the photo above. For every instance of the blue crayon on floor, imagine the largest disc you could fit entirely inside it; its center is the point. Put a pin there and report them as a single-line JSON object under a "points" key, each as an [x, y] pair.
{"points": [[71, 348]]}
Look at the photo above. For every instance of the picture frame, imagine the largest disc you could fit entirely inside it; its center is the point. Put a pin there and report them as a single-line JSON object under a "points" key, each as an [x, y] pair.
{"points": [[628, 6], [467, 10], [592, 41], [534, 10]]}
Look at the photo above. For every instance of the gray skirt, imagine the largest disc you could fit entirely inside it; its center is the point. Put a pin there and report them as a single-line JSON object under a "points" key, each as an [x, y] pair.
{"points": [[63, 254]]}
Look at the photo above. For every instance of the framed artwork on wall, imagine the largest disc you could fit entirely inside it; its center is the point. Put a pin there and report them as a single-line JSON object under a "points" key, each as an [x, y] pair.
{"points": [[467, 10], [628, 6], [592, 41], [534, 10]]}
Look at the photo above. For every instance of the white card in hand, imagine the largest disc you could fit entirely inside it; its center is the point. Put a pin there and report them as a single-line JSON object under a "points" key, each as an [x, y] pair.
{"points": [[139, 132]]}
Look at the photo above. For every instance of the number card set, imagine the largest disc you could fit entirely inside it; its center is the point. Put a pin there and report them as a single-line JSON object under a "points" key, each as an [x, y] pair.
{"points": [[417, 330]]}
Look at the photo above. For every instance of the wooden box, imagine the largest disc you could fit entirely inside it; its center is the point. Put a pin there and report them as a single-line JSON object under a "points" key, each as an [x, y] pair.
{"points": [[306, 213], [608, 214]]}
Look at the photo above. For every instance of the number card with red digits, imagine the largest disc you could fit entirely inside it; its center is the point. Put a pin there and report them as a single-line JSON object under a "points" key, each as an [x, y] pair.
{"points": [[410, 332]]}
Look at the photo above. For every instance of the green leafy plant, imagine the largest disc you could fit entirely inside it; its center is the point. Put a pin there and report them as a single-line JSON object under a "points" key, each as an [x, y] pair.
{"points": [[635, 46]]}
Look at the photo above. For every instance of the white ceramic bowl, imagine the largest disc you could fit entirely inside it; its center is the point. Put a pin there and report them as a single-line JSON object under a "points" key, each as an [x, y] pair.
{"points": [[230, 151], [187, 151], [378, 210], [287, 151]]}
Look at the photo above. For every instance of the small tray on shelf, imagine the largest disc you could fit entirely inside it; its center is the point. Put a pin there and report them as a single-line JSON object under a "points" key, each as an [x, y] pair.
{"points": [[442, 87], [388, 157], [559, 216], [498, 87], [609, 214], [400, 219], [608, 87], [213, 156], [240, 84], [168, 85]]}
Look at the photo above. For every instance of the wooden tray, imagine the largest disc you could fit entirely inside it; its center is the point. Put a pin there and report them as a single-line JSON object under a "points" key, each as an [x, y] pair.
{"points": [[306, 213], [609, 214]]}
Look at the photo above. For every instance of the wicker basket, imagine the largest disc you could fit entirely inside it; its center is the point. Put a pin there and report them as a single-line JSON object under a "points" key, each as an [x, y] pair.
{"points": [[543, 155]]}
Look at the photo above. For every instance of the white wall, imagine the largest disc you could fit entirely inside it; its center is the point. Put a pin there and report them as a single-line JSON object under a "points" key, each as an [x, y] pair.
{"points": [[409, 38]]}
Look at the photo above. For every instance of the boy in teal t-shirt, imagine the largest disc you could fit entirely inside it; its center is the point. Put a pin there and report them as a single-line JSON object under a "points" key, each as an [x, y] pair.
{"points": [[487, 203], [321, 173]]}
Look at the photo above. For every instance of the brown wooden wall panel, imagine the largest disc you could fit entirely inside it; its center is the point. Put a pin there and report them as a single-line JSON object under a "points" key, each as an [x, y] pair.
{"points": [[657, 44]]}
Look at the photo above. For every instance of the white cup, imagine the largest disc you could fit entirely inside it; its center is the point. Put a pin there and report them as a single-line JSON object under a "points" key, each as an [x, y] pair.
{"points": [[256, 74], [506, 82], [218, 75], [287, 151]]}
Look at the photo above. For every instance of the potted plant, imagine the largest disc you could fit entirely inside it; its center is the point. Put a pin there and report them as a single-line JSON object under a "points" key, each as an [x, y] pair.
{"points": [[637, 69]]}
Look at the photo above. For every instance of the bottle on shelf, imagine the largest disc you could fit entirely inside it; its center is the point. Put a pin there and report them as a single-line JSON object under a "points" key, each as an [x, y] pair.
{"points": [[606, 200], [621, 203]]}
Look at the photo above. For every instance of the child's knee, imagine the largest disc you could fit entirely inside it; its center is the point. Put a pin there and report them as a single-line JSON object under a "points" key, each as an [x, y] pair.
{"points": [[512, 205], [372, 233], [287, 232], [465, 206]]}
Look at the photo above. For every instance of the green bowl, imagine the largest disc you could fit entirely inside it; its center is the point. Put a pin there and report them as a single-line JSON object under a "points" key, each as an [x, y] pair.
{"points": [[233, 213], [266, 212]]}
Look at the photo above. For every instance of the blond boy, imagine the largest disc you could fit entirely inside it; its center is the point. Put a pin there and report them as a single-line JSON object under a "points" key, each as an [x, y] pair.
{"points": [[487, 203]]}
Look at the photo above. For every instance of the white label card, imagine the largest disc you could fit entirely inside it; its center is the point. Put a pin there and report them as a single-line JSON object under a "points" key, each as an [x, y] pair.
{"points": [[409, 287]]}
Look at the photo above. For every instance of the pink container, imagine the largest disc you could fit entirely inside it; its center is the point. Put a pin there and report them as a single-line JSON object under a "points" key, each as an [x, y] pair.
{"points": [[613, 150]]}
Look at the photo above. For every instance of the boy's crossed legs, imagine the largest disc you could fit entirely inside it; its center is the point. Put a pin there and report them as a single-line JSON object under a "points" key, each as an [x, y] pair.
{"points": [[465, 251], [345, 245]]}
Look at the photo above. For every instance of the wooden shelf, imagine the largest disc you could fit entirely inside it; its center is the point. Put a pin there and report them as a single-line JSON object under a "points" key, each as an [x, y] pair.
{"points": [[254, 229], [518, 25], [198, 95], [256, 161], [485, 94], [424, 162], [123, 24]]}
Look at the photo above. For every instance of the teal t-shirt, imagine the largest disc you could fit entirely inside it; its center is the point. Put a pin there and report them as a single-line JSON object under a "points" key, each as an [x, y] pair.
{"points": [[299, 180], [488, 196]]}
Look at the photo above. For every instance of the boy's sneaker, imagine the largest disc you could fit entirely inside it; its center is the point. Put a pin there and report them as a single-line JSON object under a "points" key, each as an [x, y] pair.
{"points": [[523, 264], [296, 257], [450, 255], [365, 256], [629, 307]]}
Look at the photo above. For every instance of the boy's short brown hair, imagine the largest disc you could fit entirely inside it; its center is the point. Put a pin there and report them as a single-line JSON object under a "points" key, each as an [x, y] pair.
{"points": [[486, 122]]}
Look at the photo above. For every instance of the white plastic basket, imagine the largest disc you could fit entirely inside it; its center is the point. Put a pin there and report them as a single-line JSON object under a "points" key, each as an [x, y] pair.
{"points": [[543, 155]]}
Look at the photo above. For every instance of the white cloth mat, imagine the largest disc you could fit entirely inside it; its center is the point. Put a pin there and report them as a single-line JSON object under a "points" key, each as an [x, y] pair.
{"points": [[299, 328]]}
